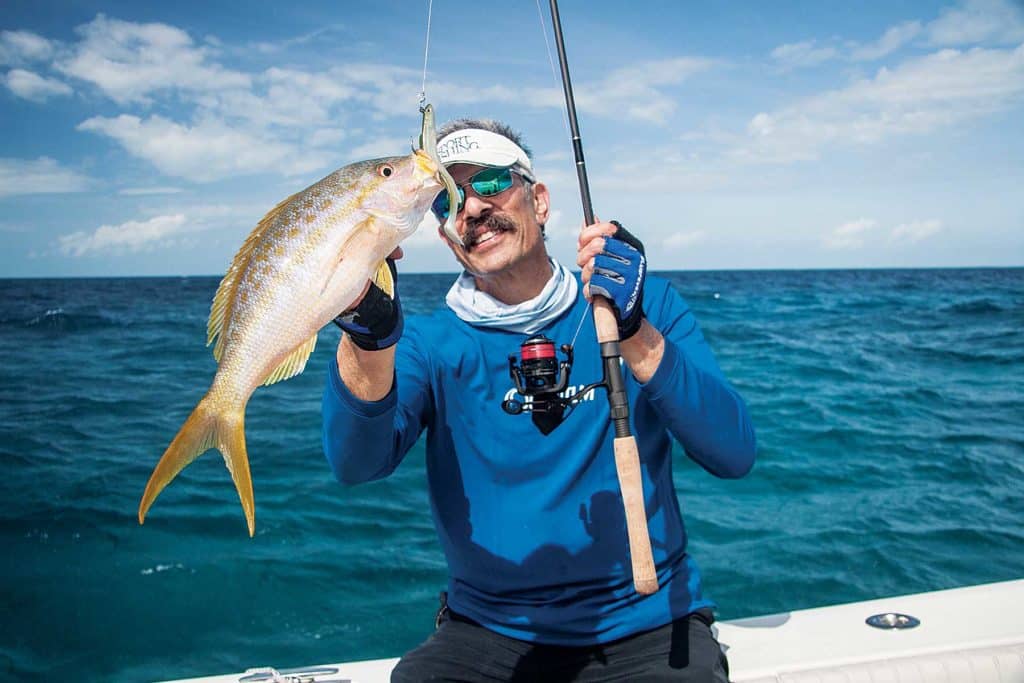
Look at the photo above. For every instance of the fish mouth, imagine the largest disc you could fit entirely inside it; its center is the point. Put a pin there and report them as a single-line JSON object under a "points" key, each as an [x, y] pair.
{"points": [[430, 168], [428, 147], [448, 183], [427, 167]]}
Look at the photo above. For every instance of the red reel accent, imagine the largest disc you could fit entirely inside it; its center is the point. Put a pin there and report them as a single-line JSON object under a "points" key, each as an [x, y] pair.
{"points": [[537, 351]]}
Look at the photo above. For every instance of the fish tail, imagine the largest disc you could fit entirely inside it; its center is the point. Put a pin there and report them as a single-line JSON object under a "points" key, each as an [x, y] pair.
{"points": [[206, 428]]}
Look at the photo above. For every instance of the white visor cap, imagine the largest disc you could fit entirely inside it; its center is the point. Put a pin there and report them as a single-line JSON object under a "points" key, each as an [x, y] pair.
{"points": [[483, 148]]}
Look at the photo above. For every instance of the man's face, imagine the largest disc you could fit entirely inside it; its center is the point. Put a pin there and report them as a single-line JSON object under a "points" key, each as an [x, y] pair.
{"points": [[502, 230]]}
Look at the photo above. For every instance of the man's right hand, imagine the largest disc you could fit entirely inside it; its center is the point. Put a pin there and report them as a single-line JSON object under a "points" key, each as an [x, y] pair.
{"points": [[614, 267], [375, 322]]}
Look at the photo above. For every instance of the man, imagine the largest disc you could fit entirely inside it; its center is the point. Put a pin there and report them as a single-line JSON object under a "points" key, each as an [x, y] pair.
{"points": [[533, 526]]}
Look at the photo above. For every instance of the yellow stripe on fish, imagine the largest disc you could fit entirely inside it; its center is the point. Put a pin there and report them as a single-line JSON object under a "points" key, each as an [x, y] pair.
{"points": [[306, 261]]}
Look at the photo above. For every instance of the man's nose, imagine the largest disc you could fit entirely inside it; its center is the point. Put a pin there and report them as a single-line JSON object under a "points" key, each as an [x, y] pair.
{"points": [[475, 206]]}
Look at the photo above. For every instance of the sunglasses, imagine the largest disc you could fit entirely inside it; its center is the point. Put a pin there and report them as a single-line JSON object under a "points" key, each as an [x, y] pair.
{"points": [[487, 183]]}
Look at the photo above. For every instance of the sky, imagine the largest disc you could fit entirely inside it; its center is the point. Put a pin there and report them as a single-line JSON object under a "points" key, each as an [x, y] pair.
{"points": [[149, 138]]}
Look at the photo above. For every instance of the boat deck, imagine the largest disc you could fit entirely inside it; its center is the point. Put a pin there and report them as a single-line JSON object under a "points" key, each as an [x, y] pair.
{"points": [[964, 635]]}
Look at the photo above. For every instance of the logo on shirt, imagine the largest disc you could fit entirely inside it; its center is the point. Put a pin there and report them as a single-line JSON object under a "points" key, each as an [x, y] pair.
{"points": [[568, 393]]}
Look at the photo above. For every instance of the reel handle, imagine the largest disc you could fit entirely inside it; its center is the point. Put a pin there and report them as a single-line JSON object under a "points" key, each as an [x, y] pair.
{"points": [[512, 407]]}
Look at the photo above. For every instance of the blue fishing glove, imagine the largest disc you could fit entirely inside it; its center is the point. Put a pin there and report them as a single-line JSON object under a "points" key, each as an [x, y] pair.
{"points": [[377, 322], [619, 273]]}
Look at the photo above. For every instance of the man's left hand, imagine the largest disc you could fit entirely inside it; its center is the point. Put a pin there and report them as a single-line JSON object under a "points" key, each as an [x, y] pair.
{"points": [[614, 266], [376, 322]]}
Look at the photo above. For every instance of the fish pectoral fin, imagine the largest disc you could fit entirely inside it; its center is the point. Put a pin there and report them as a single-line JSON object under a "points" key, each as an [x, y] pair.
{"points": [[294, 363], [204, 429], [357, 238], [383, 279], [371, 224]]}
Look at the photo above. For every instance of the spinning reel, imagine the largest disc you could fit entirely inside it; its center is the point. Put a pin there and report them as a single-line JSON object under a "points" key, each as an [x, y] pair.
{"points": [[541, 379]]}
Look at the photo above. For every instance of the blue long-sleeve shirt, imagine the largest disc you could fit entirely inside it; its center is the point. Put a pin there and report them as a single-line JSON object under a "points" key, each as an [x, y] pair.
{"points": [[533, 526]]}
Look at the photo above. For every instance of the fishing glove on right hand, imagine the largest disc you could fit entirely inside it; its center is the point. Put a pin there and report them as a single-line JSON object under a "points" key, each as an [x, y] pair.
{"points": [[377, 322], [619, 274]]}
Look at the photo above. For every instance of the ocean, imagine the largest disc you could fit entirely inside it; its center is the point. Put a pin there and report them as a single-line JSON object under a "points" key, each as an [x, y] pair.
{"points": [[889, 408]]}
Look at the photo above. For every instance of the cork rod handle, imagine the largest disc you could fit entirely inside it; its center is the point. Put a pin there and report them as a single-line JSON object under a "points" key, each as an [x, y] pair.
{"points": [[627, 466]]}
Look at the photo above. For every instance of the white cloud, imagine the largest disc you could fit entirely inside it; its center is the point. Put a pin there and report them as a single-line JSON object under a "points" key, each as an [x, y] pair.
{"points": [[130, 61], [854, 234], [17, 47], [893, 39], [327, 137], [297, 97], [387, 90], [140, 191], [381, 147], [805, 53], [209, 150], [32, 86], [554, 157], [459, 94], [681, 240], [558, 226], [136, 62], [268, 47], [287, 119], [635, 91], [286, 98], [978, 21], [265, 126], [672, 175], [914, 232], [230, 217], [130, 236], [850, 235], [14, 228], [39, 176], [915, 97]]}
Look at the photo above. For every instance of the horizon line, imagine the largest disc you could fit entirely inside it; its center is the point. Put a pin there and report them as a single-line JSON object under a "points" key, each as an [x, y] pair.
{"points": [[574, 270]]}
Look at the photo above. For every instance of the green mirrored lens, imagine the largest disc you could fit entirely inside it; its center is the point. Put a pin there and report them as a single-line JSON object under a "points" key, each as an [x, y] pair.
{"points": [[441, 206], [490, 182], [486, 183]]}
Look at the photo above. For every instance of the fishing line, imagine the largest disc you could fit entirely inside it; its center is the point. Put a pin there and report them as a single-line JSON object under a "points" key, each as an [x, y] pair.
{"points": [[565, 122], [426, 53], [579, 327], [551, 61], [554, 78]]}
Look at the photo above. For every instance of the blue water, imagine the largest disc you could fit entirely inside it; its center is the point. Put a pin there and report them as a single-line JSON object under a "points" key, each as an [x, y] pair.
{"points": [[889, 408]]}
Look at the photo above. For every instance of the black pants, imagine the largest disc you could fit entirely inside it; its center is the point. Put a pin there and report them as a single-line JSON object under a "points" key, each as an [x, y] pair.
{"points": [[462, 650]]}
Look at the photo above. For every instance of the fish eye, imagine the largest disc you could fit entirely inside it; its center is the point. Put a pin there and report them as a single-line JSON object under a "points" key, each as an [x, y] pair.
{"points": [[385, 170]]}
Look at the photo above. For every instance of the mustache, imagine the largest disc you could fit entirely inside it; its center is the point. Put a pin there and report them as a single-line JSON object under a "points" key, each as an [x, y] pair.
{"points": [[488, 223]]}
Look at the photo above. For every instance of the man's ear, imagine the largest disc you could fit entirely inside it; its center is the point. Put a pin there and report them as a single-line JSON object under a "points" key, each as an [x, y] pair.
{"points": [[541, 202]]}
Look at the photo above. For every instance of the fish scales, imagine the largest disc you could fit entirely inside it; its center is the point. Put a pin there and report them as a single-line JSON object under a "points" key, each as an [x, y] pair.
{"points": [[290, 255], [308, 259], [312, 249]]}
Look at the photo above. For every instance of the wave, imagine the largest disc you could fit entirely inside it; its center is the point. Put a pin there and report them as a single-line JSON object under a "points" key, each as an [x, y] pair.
{"points": [[996, 356], [163, 568], [59, 321], [980, 306]]}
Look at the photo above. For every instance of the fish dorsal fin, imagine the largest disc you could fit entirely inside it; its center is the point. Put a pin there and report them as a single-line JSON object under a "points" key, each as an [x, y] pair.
{"points": [[294, 363], [223, 300]]}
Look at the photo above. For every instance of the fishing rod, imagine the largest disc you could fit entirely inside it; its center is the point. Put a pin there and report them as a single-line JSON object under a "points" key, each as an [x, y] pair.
{"points": [[627, 457]]}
